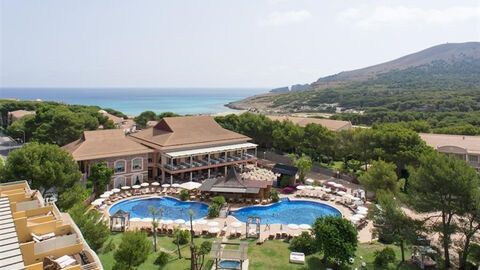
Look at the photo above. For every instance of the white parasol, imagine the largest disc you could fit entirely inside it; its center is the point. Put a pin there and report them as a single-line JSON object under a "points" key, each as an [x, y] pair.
{"points": [[105, 195], [115, 190], [179, 221], [145, 184], [309, 187], [166, 185], [309, 181], [293, 226], [176, 185], [342, 193], [155, 184], [300, 187], [236, 224], [212, 223], [201, 222], [304, 226], [190, 185], [213, 230], [125, 187], [318, 188], [96, 203], [136, 186]]}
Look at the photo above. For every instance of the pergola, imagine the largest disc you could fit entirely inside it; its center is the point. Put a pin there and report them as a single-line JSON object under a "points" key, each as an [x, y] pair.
{"points": [[220, 252], [119, 221]]}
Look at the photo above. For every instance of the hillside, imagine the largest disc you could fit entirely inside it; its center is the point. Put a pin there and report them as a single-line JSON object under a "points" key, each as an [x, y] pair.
{"points": [[441, 78]]}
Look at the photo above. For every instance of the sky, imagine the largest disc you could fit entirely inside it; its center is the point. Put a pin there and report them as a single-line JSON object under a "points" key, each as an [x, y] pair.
{"points": [[216, 43]]}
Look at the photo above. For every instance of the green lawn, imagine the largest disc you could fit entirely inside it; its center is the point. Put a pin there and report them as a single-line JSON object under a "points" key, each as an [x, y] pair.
{"points": [[164, 242], [271, 255]]}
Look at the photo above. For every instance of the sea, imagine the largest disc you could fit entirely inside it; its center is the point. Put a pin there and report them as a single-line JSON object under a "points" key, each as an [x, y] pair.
{"points": [[133, 101]]}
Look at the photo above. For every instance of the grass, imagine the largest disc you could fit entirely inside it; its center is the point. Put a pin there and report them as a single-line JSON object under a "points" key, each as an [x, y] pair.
{"points": [[271, 255], [162, 242]]}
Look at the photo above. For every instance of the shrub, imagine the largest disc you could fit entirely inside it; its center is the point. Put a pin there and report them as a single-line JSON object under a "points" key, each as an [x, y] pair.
{"points": [[109, 246], [183, 237], [384, 257], [288, 190], [274, 195], [213, 211], [303, 243], [184, 194], [285, 181], [162, 259], [218, 200]]}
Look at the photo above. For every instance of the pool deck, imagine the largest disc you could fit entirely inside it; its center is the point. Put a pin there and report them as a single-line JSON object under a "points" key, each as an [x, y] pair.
{"points": [[364, 235]]}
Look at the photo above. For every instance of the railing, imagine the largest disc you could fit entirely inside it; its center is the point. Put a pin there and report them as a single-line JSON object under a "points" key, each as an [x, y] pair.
{"points": [[205, 163], [90, 266]]}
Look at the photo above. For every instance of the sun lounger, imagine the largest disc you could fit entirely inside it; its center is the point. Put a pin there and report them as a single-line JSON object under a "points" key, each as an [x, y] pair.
{"points": [[65, 261], [38, 238], [271, 236], [297, 257]]}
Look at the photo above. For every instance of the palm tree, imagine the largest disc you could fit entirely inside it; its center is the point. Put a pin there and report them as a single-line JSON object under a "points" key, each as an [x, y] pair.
{"points": [[193, 260], [156, 214], [176, 234]]}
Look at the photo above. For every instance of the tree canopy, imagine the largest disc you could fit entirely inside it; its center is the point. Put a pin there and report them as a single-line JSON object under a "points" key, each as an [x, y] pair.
{"points": [[133, 250], [45, 165], [100, 176], [91, 223], [380, 176]]}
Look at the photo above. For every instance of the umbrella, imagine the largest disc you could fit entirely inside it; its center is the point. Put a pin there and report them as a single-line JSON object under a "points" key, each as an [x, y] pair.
{"points": [[309, 187], [309, 181], [331, 183], [212, 223], [155, 184], [188, 223], [362, 208], [144, 184], [190, 185], [355, 218], [125, 187], [304, 226], [359, 216], [179, 221], [328, 190], [213, 230], [176, 185], [136, 186], [166, 185], [105, 195], [147, 219], [135, 219], [355, 198], [236, 224], [318, 188], [300, 187], [96, 203], [358, 202], [201, 222], [115, 190], [293, 226], [166, 221], [337, 185], [342, 193]]}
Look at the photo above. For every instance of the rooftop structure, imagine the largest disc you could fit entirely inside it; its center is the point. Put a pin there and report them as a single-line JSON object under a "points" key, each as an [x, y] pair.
{"points": [[99, 144], [232, 184], [18, 114], [34, 235], [465, 147], [118, 121], [333, 125]]}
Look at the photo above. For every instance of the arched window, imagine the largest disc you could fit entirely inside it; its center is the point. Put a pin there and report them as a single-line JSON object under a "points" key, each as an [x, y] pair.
{"points": [[137, 164], [120, 166], [119, 182], [137, 179]]}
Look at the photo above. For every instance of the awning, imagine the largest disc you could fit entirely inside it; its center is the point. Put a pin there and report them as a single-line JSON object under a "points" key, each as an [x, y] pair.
{"points": [[190, 185], [285, 169], [207, 150]]}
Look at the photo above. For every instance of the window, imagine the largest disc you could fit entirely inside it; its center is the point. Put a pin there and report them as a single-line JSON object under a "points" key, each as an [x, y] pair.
{"points": [[137, 164], [137, 179], [119, 166], [119, 182], [473, 158]]}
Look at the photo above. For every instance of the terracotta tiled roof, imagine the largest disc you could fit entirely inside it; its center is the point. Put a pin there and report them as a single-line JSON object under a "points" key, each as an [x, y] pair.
{"points": [[333, 125], [186, 132], [470, 143], [19, 114], [115, 119], [99, 144]]}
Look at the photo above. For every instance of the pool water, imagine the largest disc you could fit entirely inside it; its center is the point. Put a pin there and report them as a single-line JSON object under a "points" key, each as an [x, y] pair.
{"points": [[287, 212], [229, 264], [173, 208]]}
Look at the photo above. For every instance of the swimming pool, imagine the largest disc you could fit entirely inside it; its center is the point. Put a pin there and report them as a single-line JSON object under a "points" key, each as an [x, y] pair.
{"points": [[229, 264], [173, 208], [287, 212]]}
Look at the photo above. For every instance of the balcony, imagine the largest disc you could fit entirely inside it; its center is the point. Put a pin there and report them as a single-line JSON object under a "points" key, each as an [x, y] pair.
{"points": [[204, 164]]}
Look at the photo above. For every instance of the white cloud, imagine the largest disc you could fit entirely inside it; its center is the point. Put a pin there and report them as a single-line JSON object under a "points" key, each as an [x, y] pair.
{"points": [[387, 16], [278, 18]]}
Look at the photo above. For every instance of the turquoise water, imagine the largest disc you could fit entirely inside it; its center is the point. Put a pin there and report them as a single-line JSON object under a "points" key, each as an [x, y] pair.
{"points": [[287, 212], [229, 264], [173, 208], [136, 100]]}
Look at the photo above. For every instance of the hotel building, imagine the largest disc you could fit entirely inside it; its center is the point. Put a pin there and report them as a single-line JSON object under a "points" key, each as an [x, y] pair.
{"points": [[193, 148], [128, 158], [37, 236], [464, 147]]}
